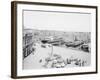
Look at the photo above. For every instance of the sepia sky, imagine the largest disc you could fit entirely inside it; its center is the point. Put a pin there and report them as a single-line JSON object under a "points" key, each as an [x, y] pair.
{"points": [[77, 22]]}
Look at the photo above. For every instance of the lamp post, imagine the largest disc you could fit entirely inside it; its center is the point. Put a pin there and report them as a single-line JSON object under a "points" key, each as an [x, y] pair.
{"points": [[51, 49], [51, 46]]}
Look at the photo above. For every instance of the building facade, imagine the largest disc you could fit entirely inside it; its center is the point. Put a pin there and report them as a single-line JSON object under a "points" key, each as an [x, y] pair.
{"points": [[27, 42]]}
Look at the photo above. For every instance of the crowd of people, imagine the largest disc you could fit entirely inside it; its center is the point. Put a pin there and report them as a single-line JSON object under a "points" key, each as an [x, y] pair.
{"points": [[56, 61]]}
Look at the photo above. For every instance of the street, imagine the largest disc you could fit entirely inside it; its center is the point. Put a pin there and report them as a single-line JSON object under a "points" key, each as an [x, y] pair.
{"points": [[36, 60]]}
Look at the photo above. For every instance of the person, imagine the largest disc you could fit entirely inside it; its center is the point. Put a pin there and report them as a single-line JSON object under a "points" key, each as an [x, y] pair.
{"points": [[40, 60]]}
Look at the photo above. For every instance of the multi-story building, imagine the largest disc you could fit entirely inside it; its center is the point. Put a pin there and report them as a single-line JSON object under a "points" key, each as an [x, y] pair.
{"points": [[27, 42]]}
